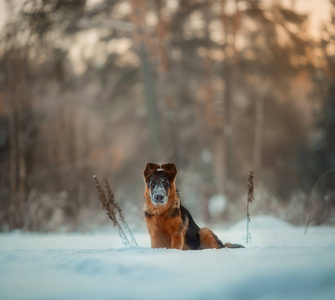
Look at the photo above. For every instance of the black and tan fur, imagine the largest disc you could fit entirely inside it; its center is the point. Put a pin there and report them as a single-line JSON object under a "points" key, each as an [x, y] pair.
{"points": [[169, 223]]}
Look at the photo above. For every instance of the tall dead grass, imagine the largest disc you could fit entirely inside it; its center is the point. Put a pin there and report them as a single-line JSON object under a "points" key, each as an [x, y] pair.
{"points": [[114, 212]]}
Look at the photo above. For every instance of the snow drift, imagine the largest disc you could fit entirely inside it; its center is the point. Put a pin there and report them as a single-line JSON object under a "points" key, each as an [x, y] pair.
{"points": [[280, 262]]}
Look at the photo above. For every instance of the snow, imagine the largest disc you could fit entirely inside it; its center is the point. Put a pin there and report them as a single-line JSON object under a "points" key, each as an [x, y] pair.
{"points": [[281, 262]]}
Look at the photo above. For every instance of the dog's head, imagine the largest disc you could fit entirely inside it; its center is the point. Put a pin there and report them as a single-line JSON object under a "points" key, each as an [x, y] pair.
{"points": [[159, 180]]}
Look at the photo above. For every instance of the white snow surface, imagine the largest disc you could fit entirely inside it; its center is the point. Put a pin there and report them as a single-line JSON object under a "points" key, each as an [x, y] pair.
{"points": [[281, 262]]}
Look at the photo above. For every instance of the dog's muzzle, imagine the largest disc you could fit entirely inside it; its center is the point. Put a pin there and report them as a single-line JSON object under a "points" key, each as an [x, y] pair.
{"points": [[158, 196]]}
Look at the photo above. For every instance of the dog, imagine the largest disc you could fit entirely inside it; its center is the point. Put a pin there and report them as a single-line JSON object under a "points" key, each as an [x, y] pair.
{"points": [[169, 223]]}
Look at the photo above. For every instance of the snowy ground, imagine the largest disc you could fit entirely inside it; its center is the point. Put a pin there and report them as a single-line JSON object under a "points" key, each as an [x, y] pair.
{"points": [[280, 263]]}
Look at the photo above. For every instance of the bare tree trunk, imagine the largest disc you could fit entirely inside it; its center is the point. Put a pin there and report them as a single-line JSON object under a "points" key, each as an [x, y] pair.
{"points": [[12, 164], [167, 92], [213, 125], [228, 112], [219, 158], [231, 24], [258, 135], [140, 36], [21, 154], [17, 97], [22, 170], [17, 164], [206, 194]]}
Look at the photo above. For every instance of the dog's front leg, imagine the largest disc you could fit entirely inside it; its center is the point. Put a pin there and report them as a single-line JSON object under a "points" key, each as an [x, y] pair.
{"points": [[158, 240], [177, 241]]}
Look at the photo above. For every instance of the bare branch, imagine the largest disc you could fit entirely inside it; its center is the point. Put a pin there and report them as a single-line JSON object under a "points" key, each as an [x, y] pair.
{"points": [[249, 200]]}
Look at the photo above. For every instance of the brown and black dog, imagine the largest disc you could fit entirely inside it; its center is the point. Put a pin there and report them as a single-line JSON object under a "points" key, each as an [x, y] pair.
{"points": [[169, 223]]}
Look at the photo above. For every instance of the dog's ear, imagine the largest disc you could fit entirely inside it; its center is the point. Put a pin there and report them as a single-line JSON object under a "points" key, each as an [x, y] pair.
{"points": [[149, 170], [170, 170]]}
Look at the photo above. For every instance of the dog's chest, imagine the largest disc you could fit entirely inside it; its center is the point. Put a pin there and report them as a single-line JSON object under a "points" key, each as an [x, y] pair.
{"points": [[165, 225]]}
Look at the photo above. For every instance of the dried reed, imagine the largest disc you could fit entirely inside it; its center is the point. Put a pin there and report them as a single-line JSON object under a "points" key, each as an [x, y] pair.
{"points": [[250, 187], [114, 212]]}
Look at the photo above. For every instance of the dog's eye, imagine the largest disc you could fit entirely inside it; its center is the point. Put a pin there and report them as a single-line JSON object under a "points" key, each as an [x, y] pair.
{"points": [[165, 184]]}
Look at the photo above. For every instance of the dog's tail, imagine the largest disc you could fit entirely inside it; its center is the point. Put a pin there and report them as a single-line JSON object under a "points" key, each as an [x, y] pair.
{"points": [[226, 245], [232, 246], [209, 240]]}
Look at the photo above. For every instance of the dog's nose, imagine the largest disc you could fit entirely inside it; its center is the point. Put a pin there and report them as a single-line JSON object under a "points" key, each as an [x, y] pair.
{"points": [[159, 198]]}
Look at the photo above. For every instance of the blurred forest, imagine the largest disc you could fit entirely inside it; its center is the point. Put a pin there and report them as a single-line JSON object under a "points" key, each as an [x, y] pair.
{"points": [[217, 87]]}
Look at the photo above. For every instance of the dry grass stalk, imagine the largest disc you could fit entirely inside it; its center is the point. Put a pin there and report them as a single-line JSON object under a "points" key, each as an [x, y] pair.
{"points": [[249, 200], [117, 210], [114, 212]]}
